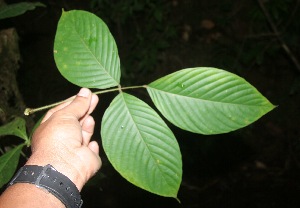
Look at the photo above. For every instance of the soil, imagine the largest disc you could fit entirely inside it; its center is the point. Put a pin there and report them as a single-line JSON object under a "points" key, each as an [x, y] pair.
{"points": [[257, 166]]}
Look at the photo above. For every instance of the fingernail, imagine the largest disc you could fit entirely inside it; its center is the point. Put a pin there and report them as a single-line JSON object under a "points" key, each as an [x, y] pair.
{"points": [[84, 92]]}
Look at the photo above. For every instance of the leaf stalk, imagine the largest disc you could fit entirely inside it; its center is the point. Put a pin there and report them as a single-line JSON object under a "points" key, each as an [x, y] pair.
{"points": [[29, 111]]}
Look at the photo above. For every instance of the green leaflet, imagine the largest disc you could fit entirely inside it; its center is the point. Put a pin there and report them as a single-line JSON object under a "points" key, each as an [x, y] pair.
{"points": [[207, 100], [8, 164], [141, 147], [16, 127], [13, 10], [85, 52]]}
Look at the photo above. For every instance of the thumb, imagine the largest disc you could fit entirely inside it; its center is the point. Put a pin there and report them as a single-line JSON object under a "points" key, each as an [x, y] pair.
{"points": [[81, 104]]}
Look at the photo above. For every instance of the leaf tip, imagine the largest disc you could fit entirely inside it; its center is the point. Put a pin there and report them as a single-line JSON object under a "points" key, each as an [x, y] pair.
{"points": [[40, 4], [272, 107], [63, 11], [177, 199]]}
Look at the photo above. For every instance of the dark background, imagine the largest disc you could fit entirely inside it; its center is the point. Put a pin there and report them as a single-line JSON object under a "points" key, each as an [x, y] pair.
{"points": [[257, 166]]}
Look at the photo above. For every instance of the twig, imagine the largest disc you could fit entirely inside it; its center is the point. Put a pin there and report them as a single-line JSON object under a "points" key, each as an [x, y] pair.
{"points": [[275, 30], [292, 16]]}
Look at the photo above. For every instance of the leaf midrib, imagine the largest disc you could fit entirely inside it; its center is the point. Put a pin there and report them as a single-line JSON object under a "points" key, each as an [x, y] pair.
{"points": [[12, 154], [93, 55], [152, 157], [205, 100]]}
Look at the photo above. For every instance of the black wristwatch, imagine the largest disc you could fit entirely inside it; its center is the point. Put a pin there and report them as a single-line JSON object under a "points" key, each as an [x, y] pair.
{"points": [[51, 180]]}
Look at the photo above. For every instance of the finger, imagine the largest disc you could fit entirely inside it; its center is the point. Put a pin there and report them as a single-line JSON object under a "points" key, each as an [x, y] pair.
{"points": [[87, 129], [80, 105], [57, 108], [93, 145], [93, 105], [94, 102]]}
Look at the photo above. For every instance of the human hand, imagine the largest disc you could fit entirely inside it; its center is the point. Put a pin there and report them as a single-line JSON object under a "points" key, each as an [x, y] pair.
{"points": [[63, 139]]}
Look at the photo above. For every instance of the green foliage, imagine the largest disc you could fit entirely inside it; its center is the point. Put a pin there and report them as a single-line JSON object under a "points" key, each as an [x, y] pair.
{"points": [[85, 52], [208, 100], [136, 140], [16, 127], [13, 10], [9, 160], [141, 146], [8, 164]]}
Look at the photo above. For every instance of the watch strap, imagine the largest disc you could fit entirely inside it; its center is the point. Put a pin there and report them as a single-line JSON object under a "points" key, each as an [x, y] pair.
{"points": [[50, 179]]}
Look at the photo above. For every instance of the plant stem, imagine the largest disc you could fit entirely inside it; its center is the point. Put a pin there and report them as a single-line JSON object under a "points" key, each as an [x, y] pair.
{"points": [[29, 111]]}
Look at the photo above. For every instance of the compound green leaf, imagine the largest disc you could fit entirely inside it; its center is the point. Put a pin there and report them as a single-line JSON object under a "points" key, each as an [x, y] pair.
{"points": [[13, 10], [17, 127], [85, 52], [8, 164], [208, 100], [141, 147]]}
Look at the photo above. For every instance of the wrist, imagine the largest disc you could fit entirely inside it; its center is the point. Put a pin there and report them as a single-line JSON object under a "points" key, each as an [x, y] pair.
{"points": [[49, 179], [60, 165]]}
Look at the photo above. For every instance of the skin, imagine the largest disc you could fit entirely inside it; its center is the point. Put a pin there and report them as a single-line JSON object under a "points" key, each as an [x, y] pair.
{"points": [[62, 140]]}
